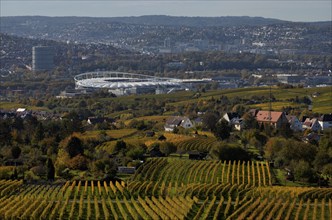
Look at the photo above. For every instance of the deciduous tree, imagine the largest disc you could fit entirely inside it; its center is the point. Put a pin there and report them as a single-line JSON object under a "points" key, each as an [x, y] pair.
{"points": [[50, 169], [222, 130]]}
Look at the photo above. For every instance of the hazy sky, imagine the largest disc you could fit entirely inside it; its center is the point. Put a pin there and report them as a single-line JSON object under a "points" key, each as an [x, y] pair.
{"points": [[292, 10]]}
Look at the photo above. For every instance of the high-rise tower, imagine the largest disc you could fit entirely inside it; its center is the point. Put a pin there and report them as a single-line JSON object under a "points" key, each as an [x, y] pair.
{"points": [[42, 58], [167, 42]]}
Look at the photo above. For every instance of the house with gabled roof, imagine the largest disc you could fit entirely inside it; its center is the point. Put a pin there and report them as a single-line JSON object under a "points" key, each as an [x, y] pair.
{"points": [[231, 117], [294, 123], [273, 118], [311, 124], [325, 121], [234, 120], [238, 124], [177, 121]]}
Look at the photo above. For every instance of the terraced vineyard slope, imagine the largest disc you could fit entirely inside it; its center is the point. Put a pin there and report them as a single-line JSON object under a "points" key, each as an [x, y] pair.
{"points": [[164, 189]]}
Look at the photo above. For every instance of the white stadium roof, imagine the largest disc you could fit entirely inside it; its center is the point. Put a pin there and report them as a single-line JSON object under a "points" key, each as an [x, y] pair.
{"points": [[117, 80]]}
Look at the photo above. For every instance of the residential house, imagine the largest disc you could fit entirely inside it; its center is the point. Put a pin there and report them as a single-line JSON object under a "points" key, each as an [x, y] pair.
{"points": [[311, 124], [176, 121], [325, 121], [234, 120], [231, 117], [238, 124], [275, 119], [198, 121], [294, 123]]}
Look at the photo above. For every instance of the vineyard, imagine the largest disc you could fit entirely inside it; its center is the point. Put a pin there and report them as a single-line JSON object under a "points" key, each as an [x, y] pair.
{"points": [[195, 143], [205, 172], [169, 189], [183, 143]]}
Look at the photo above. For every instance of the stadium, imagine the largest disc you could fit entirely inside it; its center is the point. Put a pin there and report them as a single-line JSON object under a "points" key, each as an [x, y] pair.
{"points": [[121, 83]]}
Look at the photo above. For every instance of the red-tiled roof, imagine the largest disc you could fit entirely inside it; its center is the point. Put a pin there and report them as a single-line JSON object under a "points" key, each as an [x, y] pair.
{"points": [[263, 116]]}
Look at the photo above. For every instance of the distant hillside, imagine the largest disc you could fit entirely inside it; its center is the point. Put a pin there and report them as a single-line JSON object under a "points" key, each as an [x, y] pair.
{"points": [[198, 21], [147, 34], [148, 20]]}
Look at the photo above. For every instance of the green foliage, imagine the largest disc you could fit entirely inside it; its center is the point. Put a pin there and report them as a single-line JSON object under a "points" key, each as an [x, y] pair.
{"points": [[167, 148], [141, 124], [327, 169], [224, 151], [31, 176], [120, 146], [289, 149], [323, 159], [303, 171], [39, 170], [285, 131], [6, 172], [105, 168], [74, 146], [5, 132], [136, 152], [50, 169], [39, 133], [209, 121], [16, 152], [222, 130], [78, 162], [249, 121]]}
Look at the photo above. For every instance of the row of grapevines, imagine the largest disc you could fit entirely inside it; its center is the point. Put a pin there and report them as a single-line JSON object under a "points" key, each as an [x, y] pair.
{"points": [[184, 172]]}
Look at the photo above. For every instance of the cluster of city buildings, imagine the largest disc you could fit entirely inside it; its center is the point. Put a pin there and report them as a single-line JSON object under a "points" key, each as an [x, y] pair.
{"points": [[306, 80]]}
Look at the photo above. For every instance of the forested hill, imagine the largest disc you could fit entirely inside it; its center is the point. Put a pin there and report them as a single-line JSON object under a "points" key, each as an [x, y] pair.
{"points": [[226, 21]]}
